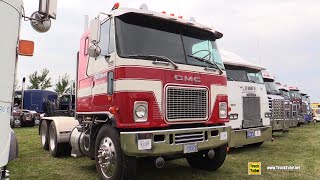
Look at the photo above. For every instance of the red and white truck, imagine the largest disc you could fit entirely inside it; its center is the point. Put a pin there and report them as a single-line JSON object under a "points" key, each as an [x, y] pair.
{"points": [[11, 15], [149, 84]]}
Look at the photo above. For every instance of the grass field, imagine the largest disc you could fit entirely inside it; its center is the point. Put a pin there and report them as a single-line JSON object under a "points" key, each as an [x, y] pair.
{"points": [[300, 147]]}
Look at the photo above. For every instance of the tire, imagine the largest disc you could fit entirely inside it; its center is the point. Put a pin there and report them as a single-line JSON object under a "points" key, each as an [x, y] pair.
{"points": [[108, 144], [203, 162], [56, 149], [44, 135]]}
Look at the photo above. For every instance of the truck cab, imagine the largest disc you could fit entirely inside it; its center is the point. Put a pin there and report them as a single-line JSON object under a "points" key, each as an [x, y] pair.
{"points": [[249, 112], [316, 111], [276, 103], [287, 105], [149, 84], [306, 111], [296, 100]]}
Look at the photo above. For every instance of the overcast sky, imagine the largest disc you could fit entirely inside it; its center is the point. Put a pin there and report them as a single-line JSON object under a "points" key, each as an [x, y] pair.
{"points": [[281, 35]]}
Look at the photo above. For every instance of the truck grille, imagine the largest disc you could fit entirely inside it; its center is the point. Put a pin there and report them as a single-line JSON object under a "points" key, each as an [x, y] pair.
{"points": [[183, 138], [251, 112], [287, 109], [187, 104], [277, 109]]}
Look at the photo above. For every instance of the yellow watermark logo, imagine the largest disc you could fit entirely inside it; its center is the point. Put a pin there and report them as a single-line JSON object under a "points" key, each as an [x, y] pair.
{"points": [[254, 168]]}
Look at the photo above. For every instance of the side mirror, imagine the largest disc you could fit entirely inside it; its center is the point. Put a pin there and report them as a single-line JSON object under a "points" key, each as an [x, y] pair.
{"points": [[95, 31], [94, 51], [41, 19]]}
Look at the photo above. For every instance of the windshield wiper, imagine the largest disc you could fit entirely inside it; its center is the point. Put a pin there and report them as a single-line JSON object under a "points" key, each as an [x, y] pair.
{"points": [[214, 64], [155, 58], [230, 78]]}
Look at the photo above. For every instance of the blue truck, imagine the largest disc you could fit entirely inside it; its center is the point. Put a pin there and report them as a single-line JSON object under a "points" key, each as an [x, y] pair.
{"points": [[34, 100]]}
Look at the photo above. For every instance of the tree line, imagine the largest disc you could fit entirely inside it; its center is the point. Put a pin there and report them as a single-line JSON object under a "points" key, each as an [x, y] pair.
{"points": [[41, 80]]}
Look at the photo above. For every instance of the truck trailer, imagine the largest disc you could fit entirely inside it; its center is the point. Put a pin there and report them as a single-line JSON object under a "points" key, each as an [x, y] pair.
{"points": [[276, 104], [149, 85], [249, 112], [12, 12]]}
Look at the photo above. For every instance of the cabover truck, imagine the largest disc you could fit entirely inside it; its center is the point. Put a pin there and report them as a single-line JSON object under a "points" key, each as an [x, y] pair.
{"points": [[287, 104], [315, 111], [249, 112], [11, 14], [276, 103], [149, 85], [305, 108], [296, 100]]}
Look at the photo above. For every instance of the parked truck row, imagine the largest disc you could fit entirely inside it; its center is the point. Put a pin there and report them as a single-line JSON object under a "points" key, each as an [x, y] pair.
{"points": [[153, 85]]}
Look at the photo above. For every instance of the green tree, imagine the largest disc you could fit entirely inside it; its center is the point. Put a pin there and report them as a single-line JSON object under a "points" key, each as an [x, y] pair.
{"points": [[40, 80], [62, 84]]}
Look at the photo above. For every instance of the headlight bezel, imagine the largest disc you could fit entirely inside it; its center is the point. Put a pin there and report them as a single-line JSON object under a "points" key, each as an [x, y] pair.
{"points": [[223, 110], [140, 104]]}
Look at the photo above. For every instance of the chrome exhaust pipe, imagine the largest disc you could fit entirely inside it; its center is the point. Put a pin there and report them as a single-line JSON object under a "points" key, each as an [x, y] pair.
{"points": [[159, 162]]}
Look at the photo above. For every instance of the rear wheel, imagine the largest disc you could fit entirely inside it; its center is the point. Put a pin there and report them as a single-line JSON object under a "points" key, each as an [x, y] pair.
{"points": [[202, 161], [44, 134], [56, 149], [111, 162]]}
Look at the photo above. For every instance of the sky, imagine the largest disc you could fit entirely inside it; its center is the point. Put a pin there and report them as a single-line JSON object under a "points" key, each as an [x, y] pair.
{"points": [[280, 35]]}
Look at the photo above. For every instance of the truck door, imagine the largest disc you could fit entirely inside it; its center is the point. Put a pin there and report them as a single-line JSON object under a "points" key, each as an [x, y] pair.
{"points": [[102, 90]]}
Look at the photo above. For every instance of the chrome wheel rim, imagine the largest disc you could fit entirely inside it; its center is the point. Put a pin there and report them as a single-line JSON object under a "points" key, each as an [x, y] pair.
{"points": [[107, 157], [52, 139], [43, 134]]}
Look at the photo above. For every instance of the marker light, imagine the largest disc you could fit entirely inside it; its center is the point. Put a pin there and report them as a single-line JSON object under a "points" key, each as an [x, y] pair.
{"points": [[116, 6], [26, 48], [180, 17], [113, 110], [163, 12], [171, 14]]}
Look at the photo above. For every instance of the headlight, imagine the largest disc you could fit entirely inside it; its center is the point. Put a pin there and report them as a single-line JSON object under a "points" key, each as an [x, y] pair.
{"points": [[140, 111], [223, 110], [233, 116], [267, 114]]}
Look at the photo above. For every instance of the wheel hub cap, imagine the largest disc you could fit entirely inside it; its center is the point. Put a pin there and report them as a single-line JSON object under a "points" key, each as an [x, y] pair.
{"points": [[107, 157]]}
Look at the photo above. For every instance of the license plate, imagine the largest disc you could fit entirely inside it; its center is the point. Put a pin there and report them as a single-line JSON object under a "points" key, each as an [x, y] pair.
{"points": [[253, 133], [190, 148], [223, 136], [144, 144]]}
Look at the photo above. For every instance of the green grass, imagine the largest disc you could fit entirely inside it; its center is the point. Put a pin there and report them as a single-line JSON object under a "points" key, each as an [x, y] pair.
{"points": [[300, 147]]}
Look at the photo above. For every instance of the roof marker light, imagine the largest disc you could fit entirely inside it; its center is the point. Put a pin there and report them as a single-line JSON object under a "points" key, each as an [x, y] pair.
{"points": [[172, 14], [163, 12], [116, 6], [180, 17]]}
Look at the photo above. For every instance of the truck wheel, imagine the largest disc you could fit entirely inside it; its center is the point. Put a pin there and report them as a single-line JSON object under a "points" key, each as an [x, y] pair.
{"points": [[201, 161], [111, 163], [57, 149], [44, 134]]}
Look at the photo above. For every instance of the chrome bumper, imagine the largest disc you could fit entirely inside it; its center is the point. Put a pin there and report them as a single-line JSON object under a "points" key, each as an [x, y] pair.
{"points": [[239, 137], [174, 140], [277, 125]]}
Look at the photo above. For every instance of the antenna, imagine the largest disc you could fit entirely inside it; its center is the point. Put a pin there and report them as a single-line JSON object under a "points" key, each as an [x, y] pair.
{"points": [[259, 54]]}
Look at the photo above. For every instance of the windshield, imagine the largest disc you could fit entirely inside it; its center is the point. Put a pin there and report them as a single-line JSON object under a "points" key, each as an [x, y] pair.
{"points": [[138, 34], [295, 94], [272, 88], [284, 93], [243, 74]]}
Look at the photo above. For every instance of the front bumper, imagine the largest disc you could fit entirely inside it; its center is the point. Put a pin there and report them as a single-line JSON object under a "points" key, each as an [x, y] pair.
{"points": [[277, 125], [239, 137], [174, 140], [286, 125]]}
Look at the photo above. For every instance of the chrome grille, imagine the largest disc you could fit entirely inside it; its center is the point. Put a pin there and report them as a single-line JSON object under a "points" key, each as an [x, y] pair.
{"points": [[287, 109], [186, 104], [183, 138], [277, 110], [251, 112], [294, 110]]}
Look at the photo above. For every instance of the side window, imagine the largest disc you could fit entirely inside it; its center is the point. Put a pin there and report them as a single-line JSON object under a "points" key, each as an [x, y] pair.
{"points": [[111, 35], [104, 38]]}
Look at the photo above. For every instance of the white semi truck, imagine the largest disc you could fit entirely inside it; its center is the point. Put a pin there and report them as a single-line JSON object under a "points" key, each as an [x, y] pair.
{"points": [[11, 15], [249, 112], [276, 104]]}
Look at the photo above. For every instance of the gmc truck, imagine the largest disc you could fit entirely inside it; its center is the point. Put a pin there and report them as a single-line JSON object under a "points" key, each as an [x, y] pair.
{"points": [[149, 85], [12, 12]]}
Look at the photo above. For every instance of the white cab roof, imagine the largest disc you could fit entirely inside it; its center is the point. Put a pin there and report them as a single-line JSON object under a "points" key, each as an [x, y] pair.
{"points": [[267, 75], [230, 58]]}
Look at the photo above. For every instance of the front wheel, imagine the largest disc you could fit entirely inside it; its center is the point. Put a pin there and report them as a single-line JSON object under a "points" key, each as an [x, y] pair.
{"points": [[202, 161], [111, 162]]}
